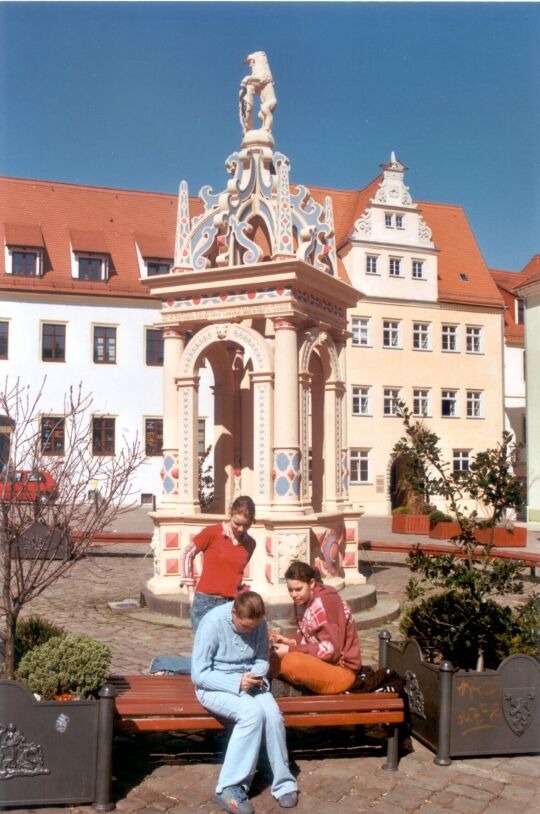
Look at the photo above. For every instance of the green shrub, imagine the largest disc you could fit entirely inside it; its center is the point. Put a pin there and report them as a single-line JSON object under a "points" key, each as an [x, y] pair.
{"points": [[439, 517], [65, 664], [31, 632]]}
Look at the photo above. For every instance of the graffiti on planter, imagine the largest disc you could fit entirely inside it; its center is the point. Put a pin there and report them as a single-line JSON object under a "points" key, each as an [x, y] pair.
{"points": [[477, 704], [19, 757]]}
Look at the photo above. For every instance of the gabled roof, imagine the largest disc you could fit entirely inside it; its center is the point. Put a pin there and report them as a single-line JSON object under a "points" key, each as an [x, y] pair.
{"points": [[90, 219], [531, 272], [506, 281], [120, 217]]}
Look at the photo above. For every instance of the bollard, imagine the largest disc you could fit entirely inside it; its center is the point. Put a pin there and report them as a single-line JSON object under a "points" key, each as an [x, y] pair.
{"points": [[446, 672], [384, 639], [103, 801]]}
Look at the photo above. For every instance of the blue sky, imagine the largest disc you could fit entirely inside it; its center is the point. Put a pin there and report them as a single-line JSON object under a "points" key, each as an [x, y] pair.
{"points": [[142, 95]]}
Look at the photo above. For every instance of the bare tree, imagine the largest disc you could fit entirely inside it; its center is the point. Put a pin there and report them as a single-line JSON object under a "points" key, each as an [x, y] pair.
{"points": [[41, 539]]}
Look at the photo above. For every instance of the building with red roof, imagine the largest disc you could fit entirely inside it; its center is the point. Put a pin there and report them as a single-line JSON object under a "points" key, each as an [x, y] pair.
{"points": [[427, 326]]}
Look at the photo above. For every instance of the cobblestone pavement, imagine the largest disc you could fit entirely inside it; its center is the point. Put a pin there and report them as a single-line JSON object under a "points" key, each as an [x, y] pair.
{"points": [[156, 773]]}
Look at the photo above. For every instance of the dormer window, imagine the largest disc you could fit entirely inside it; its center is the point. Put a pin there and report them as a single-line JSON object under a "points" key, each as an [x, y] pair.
{"points": [[154, 254], [91, 268], [157, 266], [24, 250], [89, 256]]}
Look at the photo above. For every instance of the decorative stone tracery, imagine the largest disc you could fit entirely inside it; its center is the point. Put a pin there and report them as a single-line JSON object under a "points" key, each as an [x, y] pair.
{"points": [[255, 294]]}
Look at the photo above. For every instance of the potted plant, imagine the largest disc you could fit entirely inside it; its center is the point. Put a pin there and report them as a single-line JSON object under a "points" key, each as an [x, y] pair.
{"points": [[57, 751], [442, 526], [473, 681]]}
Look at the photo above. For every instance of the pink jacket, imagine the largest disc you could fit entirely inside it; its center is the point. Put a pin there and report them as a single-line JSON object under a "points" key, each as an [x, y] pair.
{"points": [[326, 629]]}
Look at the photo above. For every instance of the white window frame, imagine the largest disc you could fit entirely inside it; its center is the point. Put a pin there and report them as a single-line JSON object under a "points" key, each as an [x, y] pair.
{"points": [[361, 330], [393, 264], [520, 311], [449, 336], [391, 395], [420, 334], [360, 466], [422, 402], [417, 266], [389, 220], [451, 396], [79, 255], [371, 263], [392, 334], [461, 461], [475, 404], [361, 400], [473, 339], [399, 222], [11, 250]]}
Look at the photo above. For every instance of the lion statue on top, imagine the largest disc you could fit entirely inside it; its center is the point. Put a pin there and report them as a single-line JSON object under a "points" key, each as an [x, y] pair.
{"points": [[258, 83]]}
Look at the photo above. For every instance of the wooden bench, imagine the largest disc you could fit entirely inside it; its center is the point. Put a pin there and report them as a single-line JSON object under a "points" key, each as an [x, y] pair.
{"points": [[149, 703]]}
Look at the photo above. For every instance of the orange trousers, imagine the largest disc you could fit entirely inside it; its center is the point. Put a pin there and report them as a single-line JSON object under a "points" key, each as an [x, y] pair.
{"points": [[319, 676]]}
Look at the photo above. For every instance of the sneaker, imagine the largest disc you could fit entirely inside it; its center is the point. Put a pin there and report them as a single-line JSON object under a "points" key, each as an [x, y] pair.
{"points": [[233, 799], [288, 800]]}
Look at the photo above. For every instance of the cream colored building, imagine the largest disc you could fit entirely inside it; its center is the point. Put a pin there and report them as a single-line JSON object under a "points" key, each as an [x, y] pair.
{"points": [[529, 290]]}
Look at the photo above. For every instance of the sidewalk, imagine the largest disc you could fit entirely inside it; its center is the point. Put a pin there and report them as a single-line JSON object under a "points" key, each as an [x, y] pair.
{"points": [[159, 773]]}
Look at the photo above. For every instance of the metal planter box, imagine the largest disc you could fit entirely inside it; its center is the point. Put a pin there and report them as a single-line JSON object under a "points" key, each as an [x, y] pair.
{"points": [[54, 751], [459, 713]]}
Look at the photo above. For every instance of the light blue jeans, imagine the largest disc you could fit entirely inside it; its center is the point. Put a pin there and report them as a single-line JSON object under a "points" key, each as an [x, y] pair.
{"points": [[252, 715], [181, 665]]}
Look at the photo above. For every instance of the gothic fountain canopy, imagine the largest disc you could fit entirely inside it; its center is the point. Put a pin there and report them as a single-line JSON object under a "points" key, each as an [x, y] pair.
{"points": [[256, 218]]}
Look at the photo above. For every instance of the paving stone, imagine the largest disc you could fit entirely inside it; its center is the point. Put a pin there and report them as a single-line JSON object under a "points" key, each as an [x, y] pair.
{"points": [[505, 806], [469, 791], [464, 805]]}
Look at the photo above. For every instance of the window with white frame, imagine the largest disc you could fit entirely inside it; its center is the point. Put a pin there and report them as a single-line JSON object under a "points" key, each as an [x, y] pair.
{"points": [[520, 311], [93, 268], [417, 269], [422, 402], [461, 461], [474, 339], [399, 221], [388, 220], [361, 332], [449, 403], [361, 401], [395, 267], [450, 338], [359, 462], [156, 266], [371, 264], [474, 404], [421, 336], [391, 333], [391, 397], [26, 262]]}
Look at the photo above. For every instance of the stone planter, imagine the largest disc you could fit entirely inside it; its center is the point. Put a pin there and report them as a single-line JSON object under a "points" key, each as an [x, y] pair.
{"points": [[444, 530], [503, 537], [55, 752], [460, 713], [410, 524]]}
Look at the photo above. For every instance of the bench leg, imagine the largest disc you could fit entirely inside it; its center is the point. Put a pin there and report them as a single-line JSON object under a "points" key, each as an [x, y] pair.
{"points": [[392, 749]]}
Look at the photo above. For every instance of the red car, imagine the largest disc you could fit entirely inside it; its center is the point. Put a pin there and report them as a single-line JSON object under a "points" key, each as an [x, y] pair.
{"points": [[27, 487]]}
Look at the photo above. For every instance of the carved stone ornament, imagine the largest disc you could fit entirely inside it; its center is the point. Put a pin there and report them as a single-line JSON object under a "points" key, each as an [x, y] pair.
{"points": [[256, 209], [19, 757], [424, 232], [362, 227], [415, 695], [258, 83], [518, 708], [392, 188]]}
